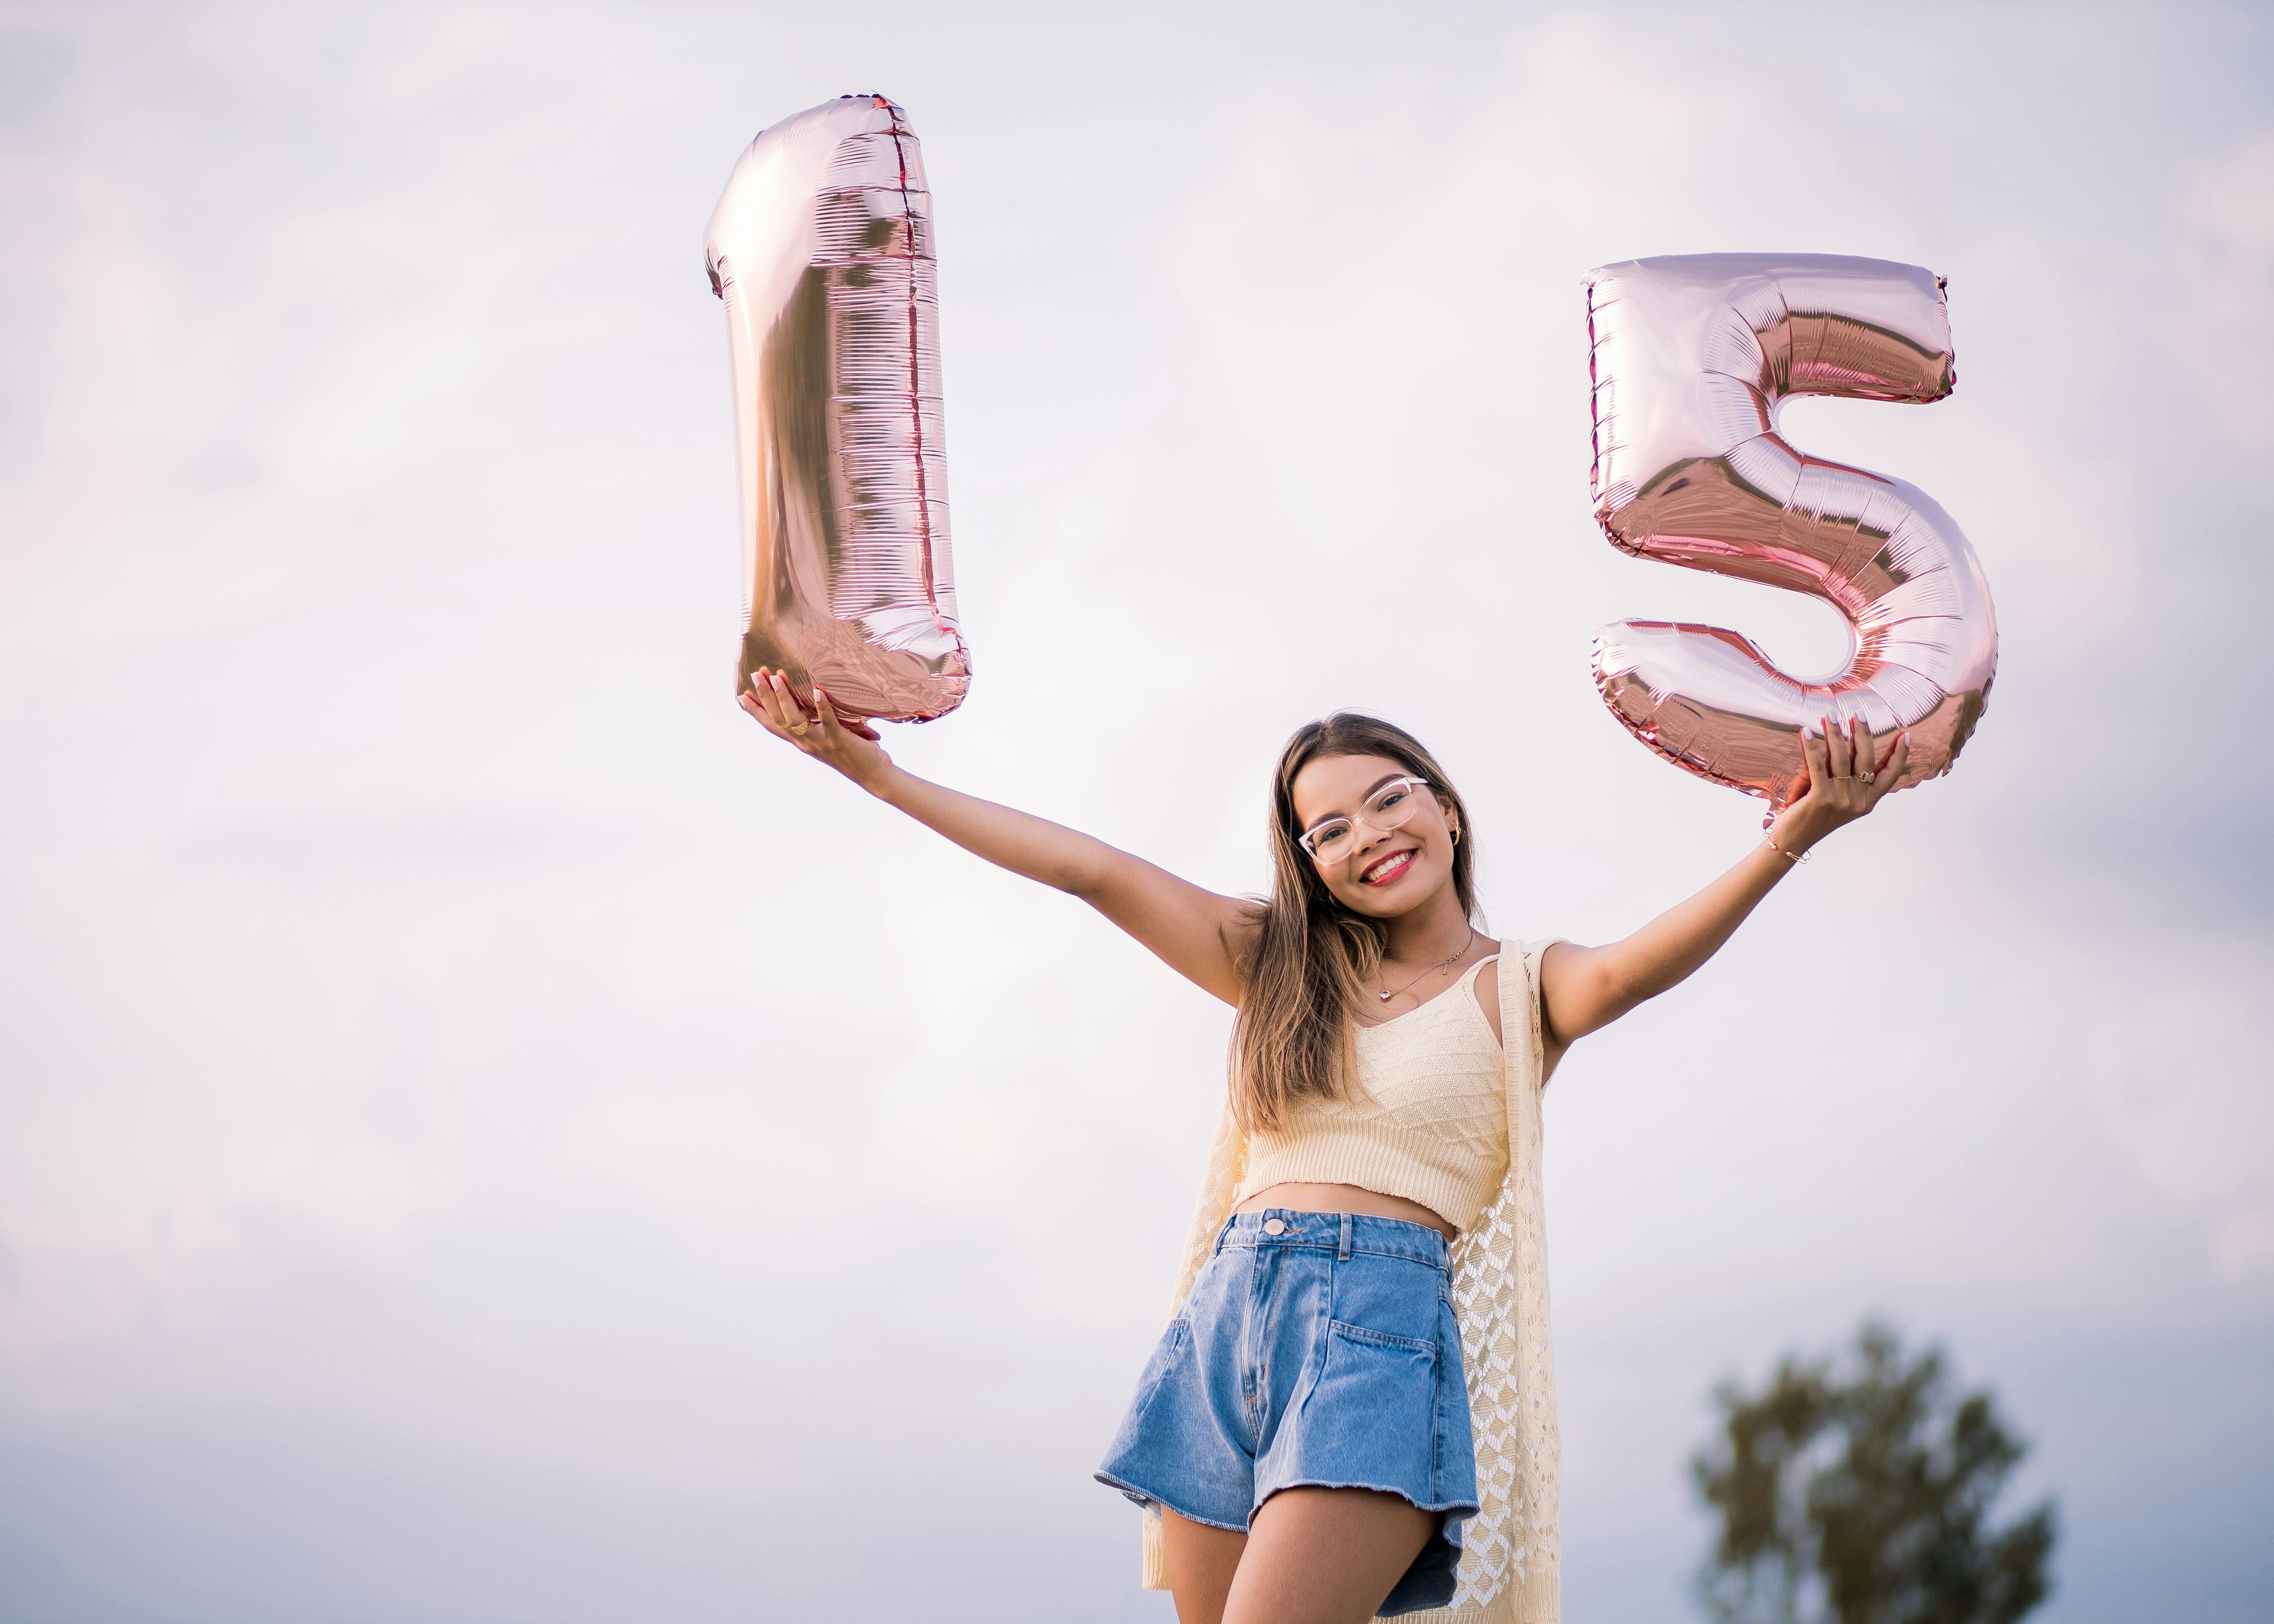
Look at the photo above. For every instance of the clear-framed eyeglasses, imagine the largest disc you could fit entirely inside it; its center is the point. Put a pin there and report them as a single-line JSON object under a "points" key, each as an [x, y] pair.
{"points": [[1391, 806]]}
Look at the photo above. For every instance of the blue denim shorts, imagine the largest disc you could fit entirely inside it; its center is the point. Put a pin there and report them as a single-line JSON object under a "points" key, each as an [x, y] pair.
{"points": [[1316, 1349]]}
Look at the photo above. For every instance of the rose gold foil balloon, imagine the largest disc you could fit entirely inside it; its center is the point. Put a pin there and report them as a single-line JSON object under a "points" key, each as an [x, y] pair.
{"points": [[1692, 357], [822, 249]]}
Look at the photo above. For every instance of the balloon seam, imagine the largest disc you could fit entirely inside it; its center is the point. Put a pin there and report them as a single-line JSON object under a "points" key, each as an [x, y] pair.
{"points": [[916, 386]]}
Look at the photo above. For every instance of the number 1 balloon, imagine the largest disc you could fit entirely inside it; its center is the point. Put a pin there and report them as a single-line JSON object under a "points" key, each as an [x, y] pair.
{"points": [[1692, 357], [822, 249]]}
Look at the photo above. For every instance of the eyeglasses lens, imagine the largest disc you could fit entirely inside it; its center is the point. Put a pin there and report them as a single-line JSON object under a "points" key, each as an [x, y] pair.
{"points": [[1390, 807]]}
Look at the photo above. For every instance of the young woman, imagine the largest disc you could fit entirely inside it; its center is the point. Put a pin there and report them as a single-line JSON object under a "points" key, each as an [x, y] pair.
{"points": [[1305, 1437]]}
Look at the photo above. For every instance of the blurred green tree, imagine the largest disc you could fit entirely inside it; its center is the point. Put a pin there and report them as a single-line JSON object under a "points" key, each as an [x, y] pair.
{"points": [[1860, 1490]]}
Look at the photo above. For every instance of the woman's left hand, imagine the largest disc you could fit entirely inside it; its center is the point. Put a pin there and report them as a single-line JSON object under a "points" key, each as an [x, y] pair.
{"points": [[1841, 782]]}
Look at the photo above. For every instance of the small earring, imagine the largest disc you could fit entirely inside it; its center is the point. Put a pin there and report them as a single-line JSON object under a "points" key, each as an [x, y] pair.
{"points": [[1457, 835]]}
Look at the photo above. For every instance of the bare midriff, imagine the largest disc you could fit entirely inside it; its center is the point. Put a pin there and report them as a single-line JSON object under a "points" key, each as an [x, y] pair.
{"points": [[1345, 1199]]}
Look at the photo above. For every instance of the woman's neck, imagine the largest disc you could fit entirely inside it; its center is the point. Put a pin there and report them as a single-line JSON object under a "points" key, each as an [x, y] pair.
{"points": [[1436, 930]]}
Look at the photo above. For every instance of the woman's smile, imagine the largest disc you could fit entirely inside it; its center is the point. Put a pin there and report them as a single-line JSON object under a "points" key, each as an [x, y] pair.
{"points": [[1388, 867]]}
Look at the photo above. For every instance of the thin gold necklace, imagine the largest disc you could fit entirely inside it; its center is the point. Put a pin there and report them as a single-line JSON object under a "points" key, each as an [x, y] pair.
{"points": [[1436, 969]]}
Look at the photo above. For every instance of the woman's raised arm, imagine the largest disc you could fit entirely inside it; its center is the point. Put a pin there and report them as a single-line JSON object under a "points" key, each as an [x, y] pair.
{"points": [[1584, 990], [1195, 932]]}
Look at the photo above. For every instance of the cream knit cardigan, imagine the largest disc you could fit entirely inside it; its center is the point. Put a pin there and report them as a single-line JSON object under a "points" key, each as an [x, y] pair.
{"points": [[1509, 1554]]}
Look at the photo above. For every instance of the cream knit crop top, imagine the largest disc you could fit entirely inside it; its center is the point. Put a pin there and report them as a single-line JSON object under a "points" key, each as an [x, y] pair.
{"points": [[1428, 1120]]}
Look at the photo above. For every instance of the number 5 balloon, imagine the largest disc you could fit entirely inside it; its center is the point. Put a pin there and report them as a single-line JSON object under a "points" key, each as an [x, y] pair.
{"points": [[1692, 357], [822, 249]]}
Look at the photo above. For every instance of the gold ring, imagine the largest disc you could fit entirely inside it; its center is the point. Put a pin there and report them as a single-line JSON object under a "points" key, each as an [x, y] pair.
{"points": [[799, 728]]}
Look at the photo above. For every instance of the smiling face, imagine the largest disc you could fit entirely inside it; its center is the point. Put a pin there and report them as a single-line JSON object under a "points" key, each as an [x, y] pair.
{"points": [[1384, 872]]}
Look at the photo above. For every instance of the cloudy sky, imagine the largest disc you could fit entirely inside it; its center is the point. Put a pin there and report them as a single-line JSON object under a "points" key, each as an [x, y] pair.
{"points": [[484, 1135]]}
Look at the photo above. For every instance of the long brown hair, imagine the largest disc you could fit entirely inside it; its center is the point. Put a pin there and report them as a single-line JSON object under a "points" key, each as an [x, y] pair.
{"points": [[1310, 955]]}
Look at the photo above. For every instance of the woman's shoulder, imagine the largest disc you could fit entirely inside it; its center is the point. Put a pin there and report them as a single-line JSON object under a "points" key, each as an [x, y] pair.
{"points": [[1511, 955]]}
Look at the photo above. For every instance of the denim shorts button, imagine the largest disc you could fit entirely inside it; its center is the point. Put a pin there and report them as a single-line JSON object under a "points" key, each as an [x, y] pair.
{"points": [[1272, 1226]]}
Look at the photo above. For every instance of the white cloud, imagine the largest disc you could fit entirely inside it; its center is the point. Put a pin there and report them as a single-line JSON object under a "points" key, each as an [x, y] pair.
{"points": [[2179, 1067], [2222, 251]]}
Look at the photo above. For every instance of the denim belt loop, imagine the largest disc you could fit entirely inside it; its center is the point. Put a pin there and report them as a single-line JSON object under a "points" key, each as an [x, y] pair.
{"points": [[1345, 1251]]}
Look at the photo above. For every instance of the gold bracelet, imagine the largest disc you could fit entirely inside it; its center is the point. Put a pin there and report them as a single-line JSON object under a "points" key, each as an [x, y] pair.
{"points": [[1790, 857]]}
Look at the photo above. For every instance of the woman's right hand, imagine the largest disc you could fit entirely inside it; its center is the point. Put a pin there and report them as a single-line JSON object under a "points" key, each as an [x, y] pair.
{"points": [[850, 748]]}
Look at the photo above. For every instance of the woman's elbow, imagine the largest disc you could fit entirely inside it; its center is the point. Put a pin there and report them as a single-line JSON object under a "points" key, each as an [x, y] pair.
{"points": [[1085, 875]]}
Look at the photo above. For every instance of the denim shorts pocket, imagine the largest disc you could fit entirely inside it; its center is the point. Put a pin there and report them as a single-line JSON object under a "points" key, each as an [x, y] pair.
{"points": [[1370, 1418], [1383, 1339]]}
